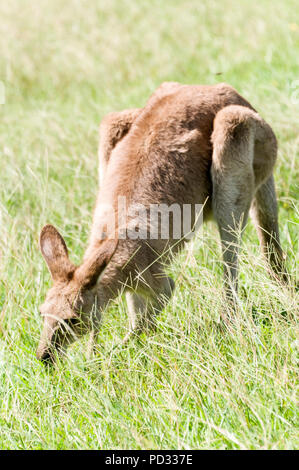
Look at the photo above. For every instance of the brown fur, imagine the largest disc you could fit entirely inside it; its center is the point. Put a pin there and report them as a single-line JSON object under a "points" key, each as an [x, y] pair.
{"points": [[188, 145]]}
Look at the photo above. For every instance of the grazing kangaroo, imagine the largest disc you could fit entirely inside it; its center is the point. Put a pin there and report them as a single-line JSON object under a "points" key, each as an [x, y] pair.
{"points": [[188, 145]]}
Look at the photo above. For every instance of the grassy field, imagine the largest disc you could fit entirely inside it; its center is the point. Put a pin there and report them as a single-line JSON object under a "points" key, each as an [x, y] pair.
{"points": [[63, 67]]}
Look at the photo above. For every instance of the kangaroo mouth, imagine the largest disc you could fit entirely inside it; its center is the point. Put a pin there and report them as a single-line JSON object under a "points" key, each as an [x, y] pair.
{"points": [[46, 358]]}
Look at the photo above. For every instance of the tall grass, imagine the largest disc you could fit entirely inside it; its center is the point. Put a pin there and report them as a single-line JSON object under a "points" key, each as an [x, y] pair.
{"points": [[64, 66]]}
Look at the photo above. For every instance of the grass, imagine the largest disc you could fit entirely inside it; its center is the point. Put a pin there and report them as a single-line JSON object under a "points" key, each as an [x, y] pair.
{"points": [[64, 66]]}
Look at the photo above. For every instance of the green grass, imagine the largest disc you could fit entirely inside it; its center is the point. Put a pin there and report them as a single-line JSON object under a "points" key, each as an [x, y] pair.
{"points": [[64, 66]]}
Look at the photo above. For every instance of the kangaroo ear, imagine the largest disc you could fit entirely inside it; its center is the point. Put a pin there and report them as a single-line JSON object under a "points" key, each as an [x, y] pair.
{"points": [[55, 252], [88, 273]]}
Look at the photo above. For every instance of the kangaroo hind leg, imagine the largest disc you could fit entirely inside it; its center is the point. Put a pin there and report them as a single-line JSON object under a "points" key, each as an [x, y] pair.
{"points": [[265, 217], [233, 183]]}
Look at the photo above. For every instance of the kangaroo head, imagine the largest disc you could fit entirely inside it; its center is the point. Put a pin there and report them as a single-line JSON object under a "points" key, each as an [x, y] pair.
{"points": [[70, 309]]}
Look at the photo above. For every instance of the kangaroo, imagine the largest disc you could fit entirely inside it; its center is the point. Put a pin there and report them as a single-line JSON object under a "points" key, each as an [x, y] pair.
{"points": [[190, 144]]}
